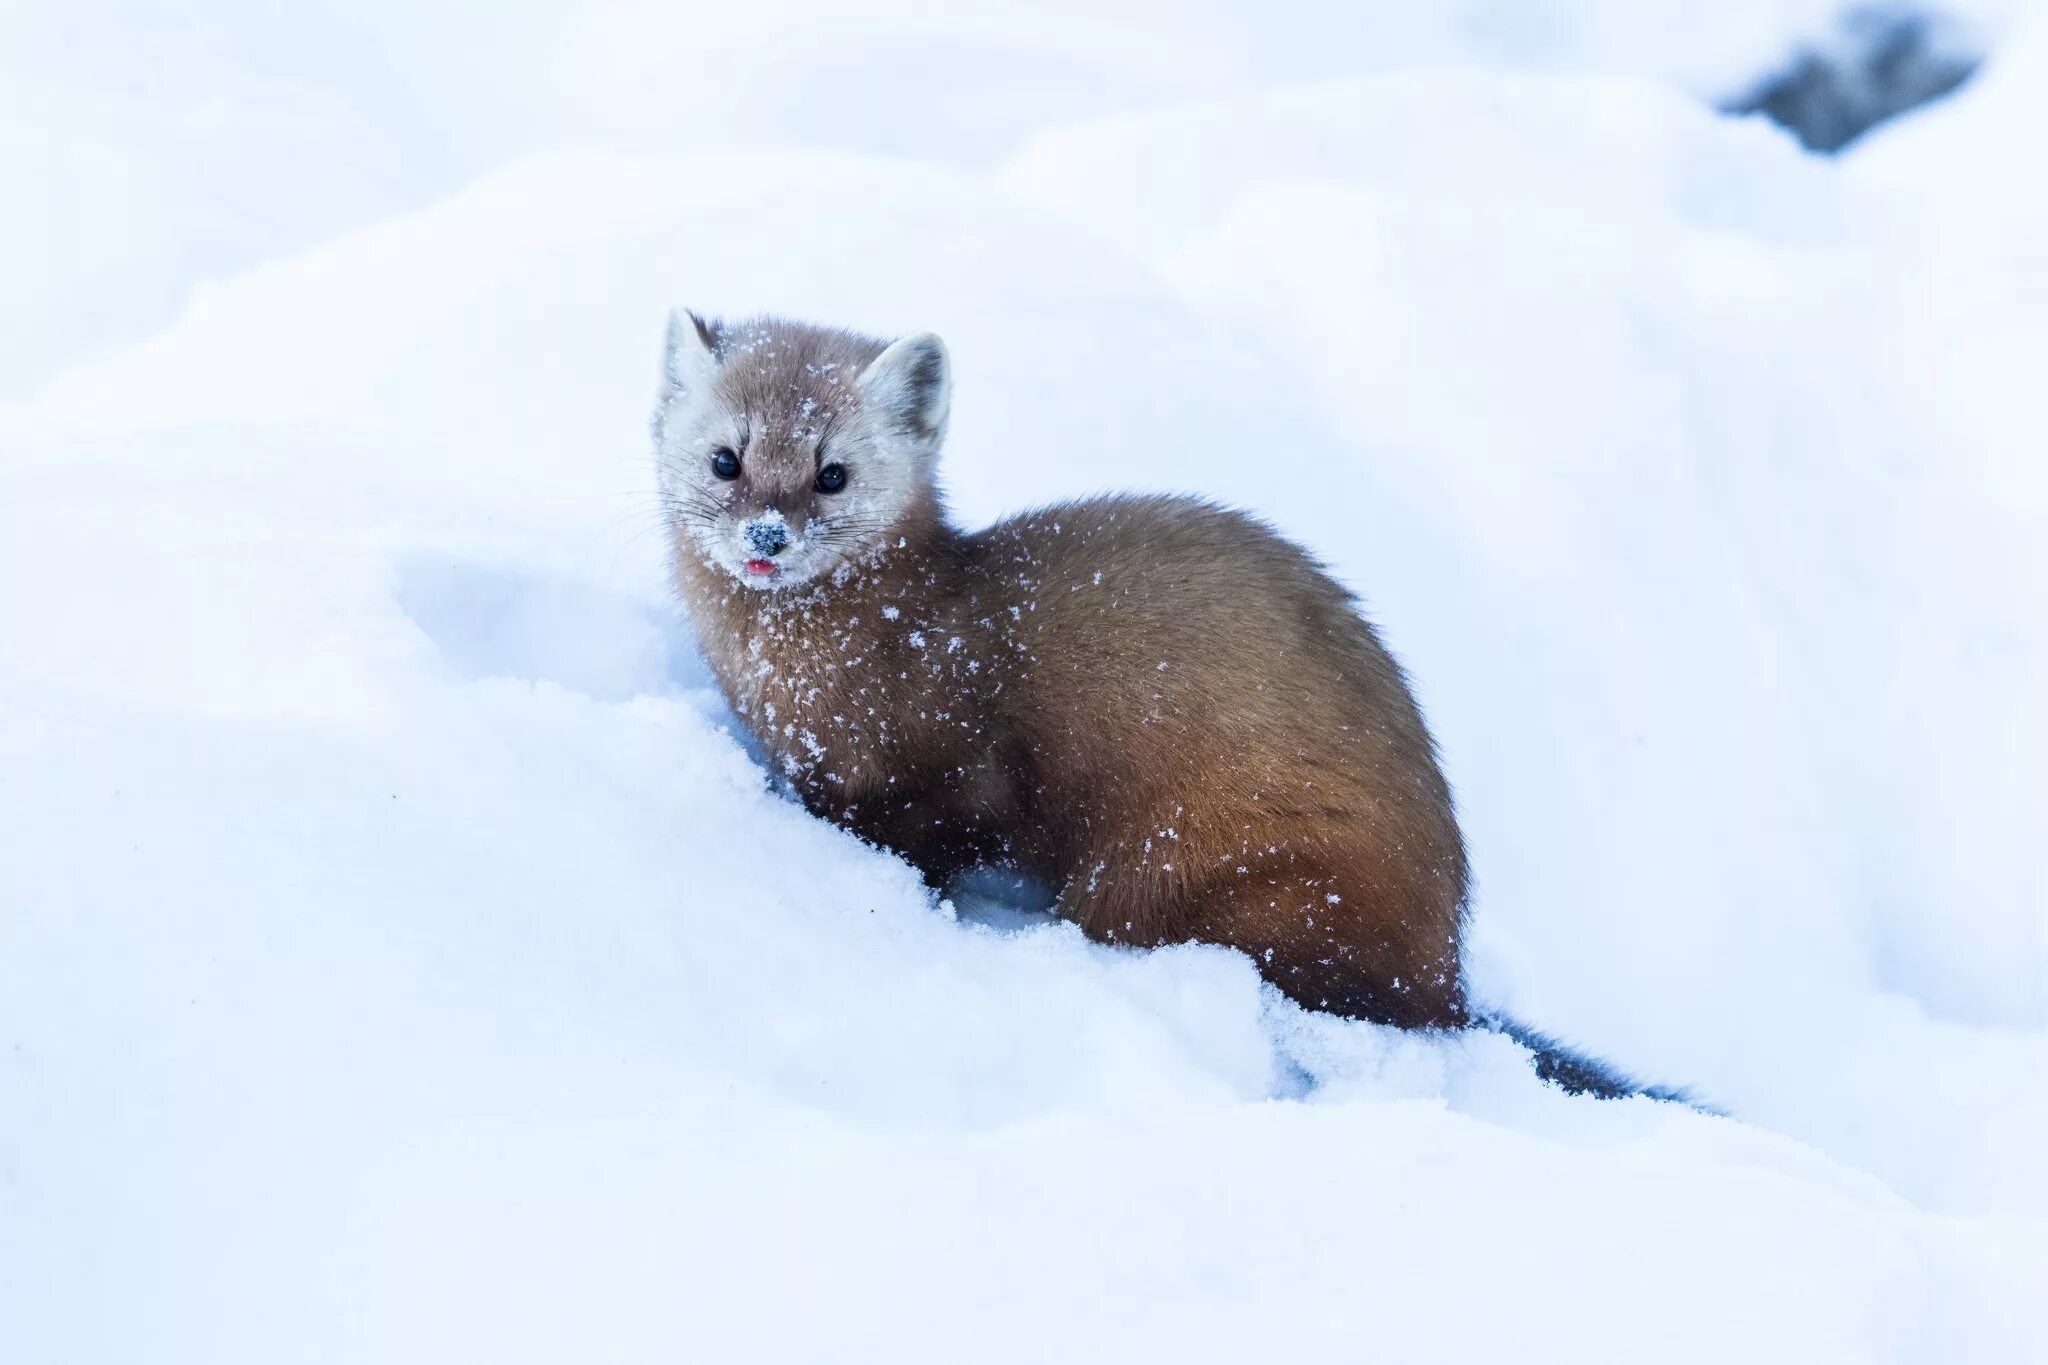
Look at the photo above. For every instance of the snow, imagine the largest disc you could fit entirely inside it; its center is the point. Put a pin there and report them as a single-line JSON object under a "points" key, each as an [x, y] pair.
{"points": [[402, 957]]}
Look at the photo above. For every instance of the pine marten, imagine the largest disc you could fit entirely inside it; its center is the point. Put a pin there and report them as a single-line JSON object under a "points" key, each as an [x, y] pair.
{"points": [[1156, 705]]}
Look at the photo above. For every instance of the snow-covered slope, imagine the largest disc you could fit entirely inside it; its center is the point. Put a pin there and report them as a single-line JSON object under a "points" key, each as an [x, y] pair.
{"points": [[401, 959], [148, 147]]}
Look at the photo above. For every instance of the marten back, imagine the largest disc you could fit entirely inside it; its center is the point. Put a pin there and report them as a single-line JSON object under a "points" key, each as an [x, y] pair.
{"points": [[1219, 747]]}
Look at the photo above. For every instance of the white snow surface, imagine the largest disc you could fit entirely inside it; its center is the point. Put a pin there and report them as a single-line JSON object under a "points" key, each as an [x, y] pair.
{"points": [[401, 957]]}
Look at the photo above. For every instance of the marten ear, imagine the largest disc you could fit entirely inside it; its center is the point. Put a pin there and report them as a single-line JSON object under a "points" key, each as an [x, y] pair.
{"points": [[691, 355], [688, 361], [910, 386]]}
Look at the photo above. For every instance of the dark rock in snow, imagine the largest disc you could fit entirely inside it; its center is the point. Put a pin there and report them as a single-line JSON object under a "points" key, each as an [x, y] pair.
{"points": [[1884, 61]]}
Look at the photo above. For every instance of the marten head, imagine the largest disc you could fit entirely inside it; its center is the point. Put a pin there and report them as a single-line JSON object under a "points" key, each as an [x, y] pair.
{"points": [[788, 452]]}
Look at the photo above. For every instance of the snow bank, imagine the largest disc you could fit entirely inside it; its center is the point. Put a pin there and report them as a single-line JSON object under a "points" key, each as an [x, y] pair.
{"points": [[401, 959], [156, 148]]}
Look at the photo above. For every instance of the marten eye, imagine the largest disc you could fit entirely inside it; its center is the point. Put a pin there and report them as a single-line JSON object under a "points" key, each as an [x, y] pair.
{"points": [[832, 478], [725, 464]]}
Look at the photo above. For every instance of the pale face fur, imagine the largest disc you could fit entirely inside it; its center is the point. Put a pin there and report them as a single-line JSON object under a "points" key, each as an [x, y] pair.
{"points": [[788, 403]]}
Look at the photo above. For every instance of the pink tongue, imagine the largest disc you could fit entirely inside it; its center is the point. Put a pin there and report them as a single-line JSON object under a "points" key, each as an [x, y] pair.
{"points": [[760, 566]]}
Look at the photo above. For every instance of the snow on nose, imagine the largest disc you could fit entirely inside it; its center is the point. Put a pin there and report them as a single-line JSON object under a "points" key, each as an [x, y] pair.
{"points": [[766, 535]]}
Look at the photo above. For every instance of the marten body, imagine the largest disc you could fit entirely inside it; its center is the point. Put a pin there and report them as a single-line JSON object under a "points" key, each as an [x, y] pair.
{"points": [[1157, 706]]}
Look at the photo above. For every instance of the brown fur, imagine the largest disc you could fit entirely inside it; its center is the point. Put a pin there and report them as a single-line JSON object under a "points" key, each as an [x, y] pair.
{"points": [[1157, 705]]}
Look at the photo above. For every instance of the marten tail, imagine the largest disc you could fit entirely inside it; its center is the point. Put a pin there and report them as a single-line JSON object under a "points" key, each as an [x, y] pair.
{"points": [[1577, 1073]]}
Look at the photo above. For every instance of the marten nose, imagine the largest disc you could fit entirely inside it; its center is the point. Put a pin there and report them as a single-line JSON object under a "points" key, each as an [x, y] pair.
{"points": [[767, 537]]}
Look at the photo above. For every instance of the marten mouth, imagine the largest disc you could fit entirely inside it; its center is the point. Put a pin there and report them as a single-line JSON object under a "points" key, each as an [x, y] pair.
{"points": [[761, 567]]}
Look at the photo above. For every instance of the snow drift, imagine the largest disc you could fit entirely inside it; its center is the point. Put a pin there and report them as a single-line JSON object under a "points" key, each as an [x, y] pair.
{"points": [[400, 957]]}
